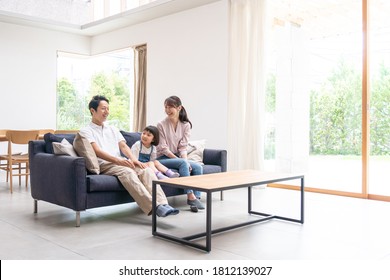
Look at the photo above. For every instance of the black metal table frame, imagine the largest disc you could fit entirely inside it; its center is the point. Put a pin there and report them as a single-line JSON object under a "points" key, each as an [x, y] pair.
{"points": [[209, 231]]}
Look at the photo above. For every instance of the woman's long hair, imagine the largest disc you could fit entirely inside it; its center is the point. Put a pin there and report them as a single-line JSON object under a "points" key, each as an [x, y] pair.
{"points": [[174, 101]]}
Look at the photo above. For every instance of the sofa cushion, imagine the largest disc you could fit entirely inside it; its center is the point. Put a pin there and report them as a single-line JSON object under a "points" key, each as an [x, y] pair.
{"points": [[50, 138], [208, 169], [131, 137], [103, 183], [84, 149], [64, 148]]}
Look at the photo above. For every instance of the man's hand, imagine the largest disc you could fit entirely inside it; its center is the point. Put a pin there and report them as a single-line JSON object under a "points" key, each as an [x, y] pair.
{"points": [[140, 164], [125, 162]]}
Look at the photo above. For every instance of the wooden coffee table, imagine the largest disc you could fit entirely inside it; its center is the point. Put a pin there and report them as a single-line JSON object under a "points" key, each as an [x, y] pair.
{"points": [[221, 182]]}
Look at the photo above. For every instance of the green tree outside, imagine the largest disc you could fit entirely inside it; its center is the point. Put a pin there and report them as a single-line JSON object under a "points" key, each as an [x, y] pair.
{"points": [[380, 113], [270, 103], [70, 106], [72, 111], [115, 88], [335, 114]]}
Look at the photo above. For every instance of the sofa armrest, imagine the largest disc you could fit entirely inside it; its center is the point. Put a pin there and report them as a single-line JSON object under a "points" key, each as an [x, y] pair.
{"points": [[58, 179], [36, 146], [215, 157]]}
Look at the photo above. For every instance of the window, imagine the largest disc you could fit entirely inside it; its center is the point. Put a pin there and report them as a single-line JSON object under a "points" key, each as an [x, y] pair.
{"points": [[379, 55], [81, 77], [316, 95]]}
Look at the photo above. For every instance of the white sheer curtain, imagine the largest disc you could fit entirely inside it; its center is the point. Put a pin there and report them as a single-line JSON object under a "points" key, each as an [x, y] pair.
{"points": [[246, 92]]}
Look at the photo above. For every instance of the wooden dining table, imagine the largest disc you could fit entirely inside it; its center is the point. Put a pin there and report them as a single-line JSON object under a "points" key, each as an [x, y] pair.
{"points": [[3, 137]]}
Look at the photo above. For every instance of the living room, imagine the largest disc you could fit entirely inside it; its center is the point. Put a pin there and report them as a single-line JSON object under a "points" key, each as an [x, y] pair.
{"points": [[176, 56], [188, 55]]}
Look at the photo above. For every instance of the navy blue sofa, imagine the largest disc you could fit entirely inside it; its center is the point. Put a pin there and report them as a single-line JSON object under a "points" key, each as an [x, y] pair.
{"points": [[65, 181]]}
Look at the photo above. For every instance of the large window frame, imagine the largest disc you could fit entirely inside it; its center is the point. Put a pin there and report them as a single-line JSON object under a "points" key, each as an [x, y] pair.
{"points": [[79, 77], [365, 117]]}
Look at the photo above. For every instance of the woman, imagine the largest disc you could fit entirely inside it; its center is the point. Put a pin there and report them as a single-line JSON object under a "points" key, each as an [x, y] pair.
{"points": [[172, 149]]}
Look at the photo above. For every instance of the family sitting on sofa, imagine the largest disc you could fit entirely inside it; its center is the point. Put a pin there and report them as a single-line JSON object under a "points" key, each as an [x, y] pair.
{"points": [[148, 157], [108, 163], [108, 143]]}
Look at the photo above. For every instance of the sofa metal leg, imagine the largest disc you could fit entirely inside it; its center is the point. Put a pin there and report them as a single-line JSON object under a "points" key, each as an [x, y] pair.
{"points": [[221, 195], [35, 206], [77, 218]]}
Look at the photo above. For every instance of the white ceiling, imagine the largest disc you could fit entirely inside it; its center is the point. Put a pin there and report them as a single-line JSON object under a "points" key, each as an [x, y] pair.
{"points": [[309, 14], [144, 13]]}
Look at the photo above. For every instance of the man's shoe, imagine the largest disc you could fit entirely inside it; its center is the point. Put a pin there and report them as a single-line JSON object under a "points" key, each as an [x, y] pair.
{"points": [[166, 210], [162, 211], [174, 211], [196, 202]]}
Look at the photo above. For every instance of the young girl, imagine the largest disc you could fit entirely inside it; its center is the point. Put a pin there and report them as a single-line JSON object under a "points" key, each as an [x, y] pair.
{"points": [[146, 152]]}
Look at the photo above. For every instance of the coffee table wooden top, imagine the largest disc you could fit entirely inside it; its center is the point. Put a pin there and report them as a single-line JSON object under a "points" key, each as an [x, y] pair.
{"points": [[227, 180]]}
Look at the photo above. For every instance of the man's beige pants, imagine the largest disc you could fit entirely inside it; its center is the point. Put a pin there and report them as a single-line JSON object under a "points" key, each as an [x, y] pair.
{"points": [[138, 183]]}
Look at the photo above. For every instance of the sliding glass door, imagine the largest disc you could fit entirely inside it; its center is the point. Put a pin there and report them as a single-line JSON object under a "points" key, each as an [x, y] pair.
{"points": [[379, 54], [315, 93]]}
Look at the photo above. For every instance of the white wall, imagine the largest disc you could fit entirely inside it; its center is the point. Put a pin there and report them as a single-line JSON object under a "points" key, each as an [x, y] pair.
{"points": [[188, 57], [28, 63]]}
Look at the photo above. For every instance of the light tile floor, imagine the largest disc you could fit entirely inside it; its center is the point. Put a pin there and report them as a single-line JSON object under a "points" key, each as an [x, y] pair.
{"points": [[335, 228]]}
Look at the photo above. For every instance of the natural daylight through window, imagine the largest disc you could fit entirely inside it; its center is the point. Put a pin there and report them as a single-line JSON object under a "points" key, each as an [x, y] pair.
{"points": [[314, 94], [80, 77]]}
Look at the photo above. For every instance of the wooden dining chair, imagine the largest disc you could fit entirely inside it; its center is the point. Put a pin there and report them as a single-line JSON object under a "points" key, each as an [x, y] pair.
{"points": [[61, 131], [18, 162], [4, 157]]}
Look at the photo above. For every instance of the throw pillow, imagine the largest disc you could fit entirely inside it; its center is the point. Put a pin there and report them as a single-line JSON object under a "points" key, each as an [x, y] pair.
{"points": [[84, 149], [64, 148], [51, 138], [131, 137], [195, 150]]}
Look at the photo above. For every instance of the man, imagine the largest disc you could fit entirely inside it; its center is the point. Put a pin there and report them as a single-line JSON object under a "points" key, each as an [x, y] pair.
{"points": [[107, 143]]}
